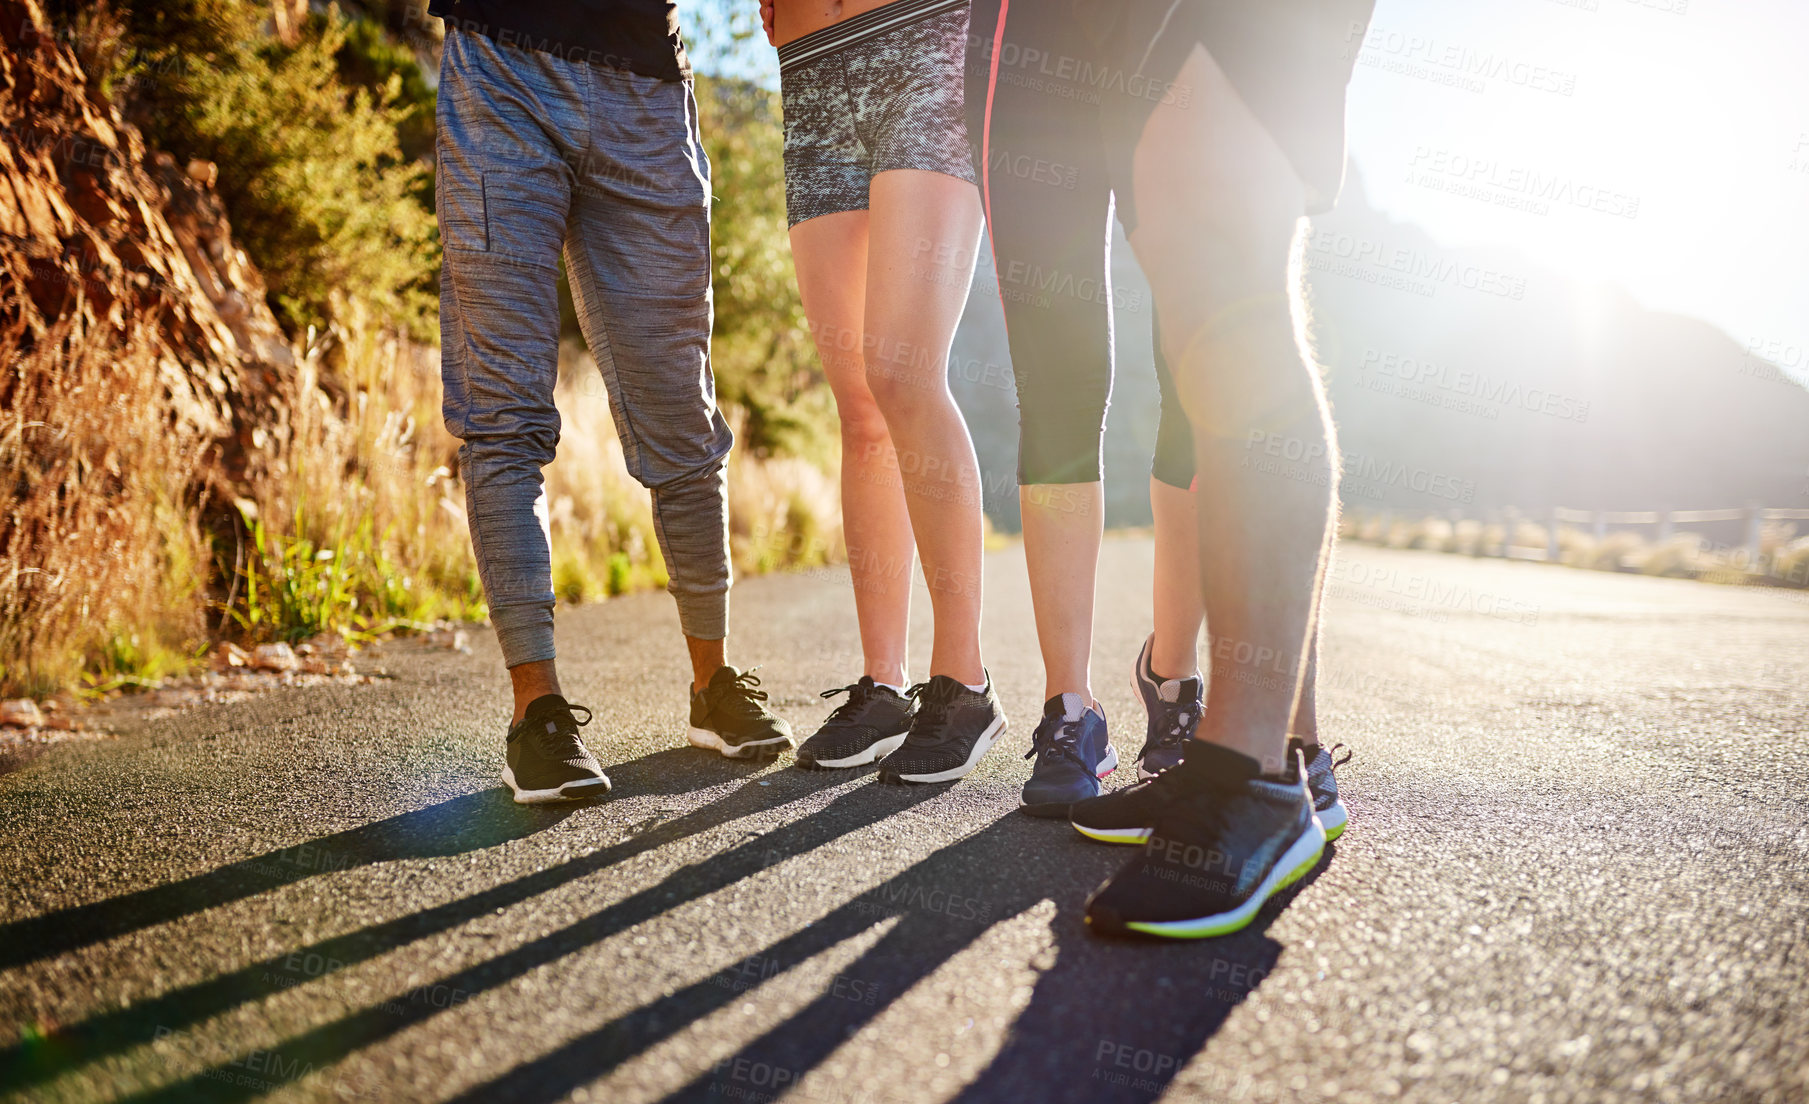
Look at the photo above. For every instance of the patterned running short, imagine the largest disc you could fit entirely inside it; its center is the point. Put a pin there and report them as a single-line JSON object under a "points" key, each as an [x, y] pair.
{"points": [[875, 92]]}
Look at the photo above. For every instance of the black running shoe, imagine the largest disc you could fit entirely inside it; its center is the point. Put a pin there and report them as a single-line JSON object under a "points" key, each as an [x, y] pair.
{"points": [[1128, 815], [730, 715], [1217, 853], [954, 726], [1173, 707], [1323, 783], [868, 726], [546, 761]]}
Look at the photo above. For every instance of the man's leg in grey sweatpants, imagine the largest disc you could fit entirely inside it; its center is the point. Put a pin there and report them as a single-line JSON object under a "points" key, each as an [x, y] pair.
{"points": [[504, 195], [638, 255]]}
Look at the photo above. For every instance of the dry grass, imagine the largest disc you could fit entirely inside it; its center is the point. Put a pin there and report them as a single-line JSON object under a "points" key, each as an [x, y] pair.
{"points": [[102, 551], [783, 511], [1783, 556]]}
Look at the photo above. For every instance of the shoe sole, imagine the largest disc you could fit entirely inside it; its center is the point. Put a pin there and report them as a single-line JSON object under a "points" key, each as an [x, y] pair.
{"points": [[1112, 835], [878, 750], [1295, 862], [1334, 819], [582, 790], [1059, 810], [981, 747], [704, 738]]}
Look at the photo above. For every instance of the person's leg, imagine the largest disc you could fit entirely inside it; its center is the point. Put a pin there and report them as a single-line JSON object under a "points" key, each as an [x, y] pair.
{"points": [[830, 255], [637, 252], [1048, 203], [503, 193], [499, 341], [1210, 172], [924, 228]]}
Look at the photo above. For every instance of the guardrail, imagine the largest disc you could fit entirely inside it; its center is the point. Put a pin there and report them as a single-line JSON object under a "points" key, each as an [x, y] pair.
{"points": [[1750, 551]]}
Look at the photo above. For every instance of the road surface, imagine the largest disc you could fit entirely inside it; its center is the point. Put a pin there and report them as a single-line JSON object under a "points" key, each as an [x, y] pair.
{"points": [[1577, 870]]}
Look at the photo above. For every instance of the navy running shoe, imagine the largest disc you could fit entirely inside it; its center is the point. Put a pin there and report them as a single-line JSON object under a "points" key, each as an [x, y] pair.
{"points": [[1323, 783], [1072, 754], [1173, 707]]}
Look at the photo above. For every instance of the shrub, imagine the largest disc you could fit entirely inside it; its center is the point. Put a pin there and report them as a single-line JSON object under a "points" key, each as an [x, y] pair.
{"points": [[313, 170]]}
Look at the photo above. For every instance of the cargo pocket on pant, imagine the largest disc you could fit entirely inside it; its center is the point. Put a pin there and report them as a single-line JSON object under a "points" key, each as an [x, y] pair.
{"points": [[463, 210]]}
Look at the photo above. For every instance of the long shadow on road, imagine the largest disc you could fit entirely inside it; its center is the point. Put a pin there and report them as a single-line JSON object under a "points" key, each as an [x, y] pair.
{"points": [[1113, 1020], [328, 1043], [471, 822]]}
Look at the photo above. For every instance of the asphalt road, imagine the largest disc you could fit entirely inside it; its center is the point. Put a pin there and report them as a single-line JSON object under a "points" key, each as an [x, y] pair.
{"points": [[1577, 870]]}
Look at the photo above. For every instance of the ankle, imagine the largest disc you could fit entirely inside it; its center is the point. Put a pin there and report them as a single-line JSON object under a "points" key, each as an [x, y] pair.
{"points": [[1165, 666]]}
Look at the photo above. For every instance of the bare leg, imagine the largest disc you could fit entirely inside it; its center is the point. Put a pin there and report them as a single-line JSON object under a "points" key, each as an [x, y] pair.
{"points": [[924, 229], [1209, 173], [1063, 523], [707, 657], [1180, 611], [830, 254], [530, 681]]}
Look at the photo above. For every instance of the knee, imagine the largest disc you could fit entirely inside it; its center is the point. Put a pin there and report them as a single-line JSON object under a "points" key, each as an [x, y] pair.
{"points": [[903, 380], [864, 432], [1060, 443]]}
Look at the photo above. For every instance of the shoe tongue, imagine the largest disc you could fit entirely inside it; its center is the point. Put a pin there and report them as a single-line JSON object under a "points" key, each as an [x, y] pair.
{"points": [[1068, 707], [546, 706], [1175, 689], [724, 675]]}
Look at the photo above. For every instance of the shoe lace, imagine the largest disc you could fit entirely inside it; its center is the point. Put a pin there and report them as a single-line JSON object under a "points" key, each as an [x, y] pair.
{"points": [[558, 741], [1177, 722], [858, 697], [743, 695], [1059, 736], [931, 724], [1333, 752]]}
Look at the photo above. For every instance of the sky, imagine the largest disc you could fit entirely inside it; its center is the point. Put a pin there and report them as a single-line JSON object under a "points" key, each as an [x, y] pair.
{"points": [[1660, 145]]}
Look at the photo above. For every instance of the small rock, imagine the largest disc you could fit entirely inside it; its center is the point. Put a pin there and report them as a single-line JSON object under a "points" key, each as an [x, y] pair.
{"points": [[180, 698], [21, 713], [230, 655], [314, 665], [62, 722], [274, 657], [204, 173]]}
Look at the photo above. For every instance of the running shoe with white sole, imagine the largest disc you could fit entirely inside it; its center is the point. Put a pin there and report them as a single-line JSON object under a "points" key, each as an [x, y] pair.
{"points": [[1072, 754], [1324, 783], [546, 760], [1231, 841], [1128, 815], [730, 716], [1173, 707], [867, 727], [953, 728]]}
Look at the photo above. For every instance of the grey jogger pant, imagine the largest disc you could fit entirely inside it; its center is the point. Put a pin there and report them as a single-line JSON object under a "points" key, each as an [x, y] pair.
{"points": [[537, 154]]}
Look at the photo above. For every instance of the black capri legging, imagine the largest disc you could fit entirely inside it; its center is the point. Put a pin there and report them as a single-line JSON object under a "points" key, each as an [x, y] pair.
{"points": [[1034, 122]]}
